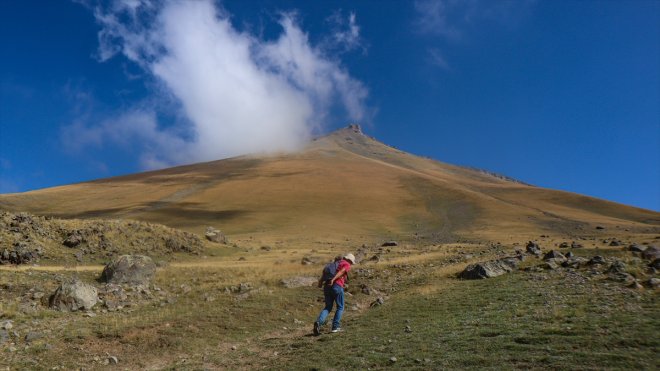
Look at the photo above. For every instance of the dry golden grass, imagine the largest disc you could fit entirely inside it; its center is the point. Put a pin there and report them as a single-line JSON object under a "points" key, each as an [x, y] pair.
{"points": [[344, 189]]}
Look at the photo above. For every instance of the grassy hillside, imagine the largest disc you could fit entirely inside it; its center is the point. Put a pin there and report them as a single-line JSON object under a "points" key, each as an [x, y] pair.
{"points": [[342, 187]]}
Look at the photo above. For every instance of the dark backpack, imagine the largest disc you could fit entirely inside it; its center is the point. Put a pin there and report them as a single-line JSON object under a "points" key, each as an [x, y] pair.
{"points": [[330, 270]]}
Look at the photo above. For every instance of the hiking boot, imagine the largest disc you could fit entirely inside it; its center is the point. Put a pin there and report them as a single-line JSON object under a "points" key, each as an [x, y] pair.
{"points": [[334, 330], [317, 329]]}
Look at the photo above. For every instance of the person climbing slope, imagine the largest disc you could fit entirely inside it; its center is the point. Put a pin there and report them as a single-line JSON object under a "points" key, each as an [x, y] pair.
{"points": [[333, 281]]}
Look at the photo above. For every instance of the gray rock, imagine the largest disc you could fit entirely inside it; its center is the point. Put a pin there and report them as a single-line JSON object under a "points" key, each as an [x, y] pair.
{"points": [[554, 254], [215, 235], [300, 281], [533, 248], [393, 359], [575, 245], [569, 255], [652, 283], [489, 269], [574, 262], [596, 260], [7, 325], [390, 243], [651, 253], [549, 265], [563, 245], [621, 277], [377, 302], [32, 336], [617, 267], [636, 248], [615, 243], [307, 260], [4, 337], [655, 264], [74, 295], [73, 239], [131, 269]]}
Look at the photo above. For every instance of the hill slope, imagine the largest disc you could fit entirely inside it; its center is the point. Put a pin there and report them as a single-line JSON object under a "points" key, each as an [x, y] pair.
{"points": [[342, 187]]}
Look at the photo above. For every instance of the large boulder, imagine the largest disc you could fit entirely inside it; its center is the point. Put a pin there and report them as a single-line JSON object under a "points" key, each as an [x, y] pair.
{"points": [[651, 253], [533, 248], [74, 295], [131, 269], [554, 254], [215, 235], [492, 268]]}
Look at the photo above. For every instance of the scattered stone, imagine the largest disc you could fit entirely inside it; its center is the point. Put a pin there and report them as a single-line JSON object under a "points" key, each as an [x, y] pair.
{"points": [[655, 264], [617, 267], [549, 265], [489, 269], [131, 269], [554, 254], [113, 360], [390, 243], [600, 227], [233, 347], [4, 337], [7, 325], [215, 235], [569, 255], [73, 295], [73, 239], [393, 359], [377, 302], [307, 260], [621, 277], [300, 281], [651, 253], [636, 248], [652, 283], [615, 243], [575, 245], [533, 248], [266, 248], [408, 329], [21, 253], [596, 260], [635, 285], [32, 336]]}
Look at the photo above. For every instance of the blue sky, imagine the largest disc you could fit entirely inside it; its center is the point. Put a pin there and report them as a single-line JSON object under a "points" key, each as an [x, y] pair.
{"points": [[560, 94]]}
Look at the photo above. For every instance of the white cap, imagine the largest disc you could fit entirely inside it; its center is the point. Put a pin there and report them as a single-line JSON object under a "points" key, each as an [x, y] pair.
{"points": [[350, 258]]}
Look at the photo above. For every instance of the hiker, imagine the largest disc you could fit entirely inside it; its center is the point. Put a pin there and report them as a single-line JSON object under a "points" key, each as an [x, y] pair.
{"points": [[333, 281]]}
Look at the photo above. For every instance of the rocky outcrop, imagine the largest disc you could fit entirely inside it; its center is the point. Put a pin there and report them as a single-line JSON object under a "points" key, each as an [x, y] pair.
{"points": [[130, 269], [215, 235], [21, 253], [74, 295], [554, 255], [651, 253], [489, 269], [533, 248]]}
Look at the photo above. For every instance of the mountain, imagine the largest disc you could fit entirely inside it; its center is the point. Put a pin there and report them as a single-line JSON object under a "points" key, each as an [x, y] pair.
{"points": [[344, 187]]}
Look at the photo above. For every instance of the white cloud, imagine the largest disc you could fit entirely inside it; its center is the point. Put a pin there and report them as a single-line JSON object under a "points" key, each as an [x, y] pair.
{"points": [[345, 34], [236, 93]]}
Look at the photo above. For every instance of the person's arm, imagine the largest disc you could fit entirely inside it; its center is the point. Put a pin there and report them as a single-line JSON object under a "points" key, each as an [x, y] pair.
{"points": [[337, 276]]}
